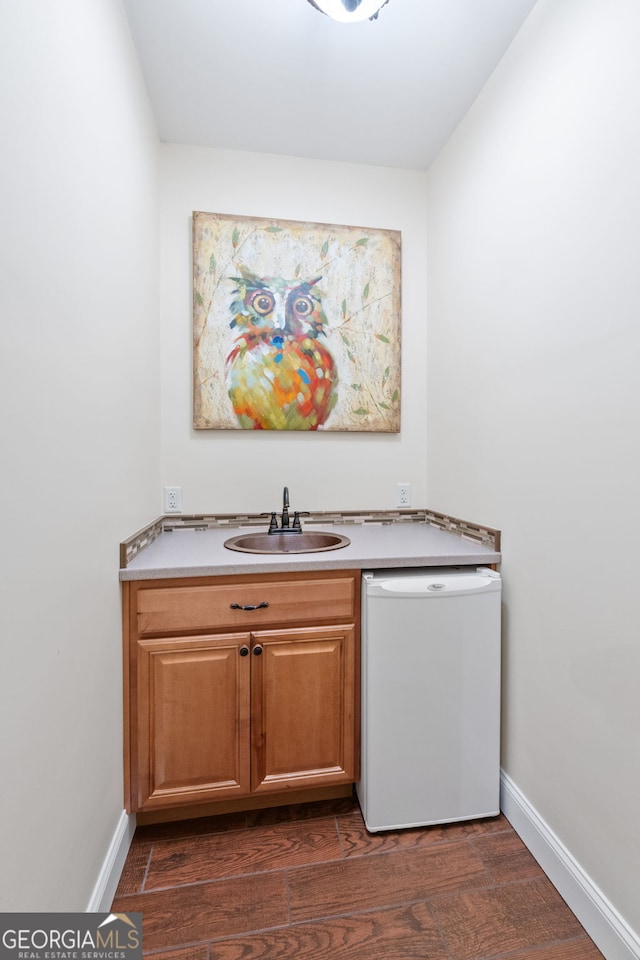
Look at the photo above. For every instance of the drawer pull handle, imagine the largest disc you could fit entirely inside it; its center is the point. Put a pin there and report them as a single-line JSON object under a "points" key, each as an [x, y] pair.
{"points": [[257, 650], [249, 606], [244, 651]]}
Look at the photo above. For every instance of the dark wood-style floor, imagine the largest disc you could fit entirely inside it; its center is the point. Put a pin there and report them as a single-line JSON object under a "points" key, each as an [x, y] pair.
{"points": [[309, 883]]}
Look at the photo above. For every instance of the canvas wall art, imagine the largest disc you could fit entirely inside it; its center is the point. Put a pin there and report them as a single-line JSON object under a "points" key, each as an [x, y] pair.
{"points": [[296, 326]]}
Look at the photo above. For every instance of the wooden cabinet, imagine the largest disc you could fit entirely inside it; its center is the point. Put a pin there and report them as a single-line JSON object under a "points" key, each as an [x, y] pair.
{"points": [[302, 707], [190, 734], [240, 688]]}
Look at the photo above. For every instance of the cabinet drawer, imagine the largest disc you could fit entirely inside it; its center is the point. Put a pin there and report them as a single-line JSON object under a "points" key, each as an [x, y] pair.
{"points": [[207, 607]]}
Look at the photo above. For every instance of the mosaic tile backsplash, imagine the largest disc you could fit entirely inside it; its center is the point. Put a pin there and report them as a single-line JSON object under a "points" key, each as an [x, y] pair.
{"points": [[131, 547]]}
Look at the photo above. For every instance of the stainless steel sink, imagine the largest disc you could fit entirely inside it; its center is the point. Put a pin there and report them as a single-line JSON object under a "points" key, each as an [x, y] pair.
{"points": [[311, 541]]}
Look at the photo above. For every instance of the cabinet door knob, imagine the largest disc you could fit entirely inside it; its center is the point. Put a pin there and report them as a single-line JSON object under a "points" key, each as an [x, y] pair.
{"points": [[244, 651], [248, 606], [257, 650]]}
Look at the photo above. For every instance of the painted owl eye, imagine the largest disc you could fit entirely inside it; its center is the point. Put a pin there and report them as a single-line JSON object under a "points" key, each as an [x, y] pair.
{"points": [[303, 306], [262, 302]]}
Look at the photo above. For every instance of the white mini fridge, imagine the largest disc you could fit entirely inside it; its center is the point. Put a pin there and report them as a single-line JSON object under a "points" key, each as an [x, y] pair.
{"points": [[430, 696]]}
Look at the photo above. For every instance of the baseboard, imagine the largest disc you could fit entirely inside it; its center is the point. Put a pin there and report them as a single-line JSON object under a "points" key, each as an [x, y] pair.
{"points": [[608, 930], [107, 882]]}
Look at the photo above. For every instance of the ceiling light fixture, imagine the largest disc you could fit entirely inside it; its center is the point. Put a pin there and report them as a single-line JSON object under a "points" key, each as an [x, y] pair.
{"points": [[349, 11]]}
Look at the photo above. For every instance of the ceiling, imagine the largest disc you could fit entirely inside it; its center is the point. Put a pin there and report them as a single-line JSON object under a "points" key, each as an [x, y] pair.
{"points": [[277, 76]]}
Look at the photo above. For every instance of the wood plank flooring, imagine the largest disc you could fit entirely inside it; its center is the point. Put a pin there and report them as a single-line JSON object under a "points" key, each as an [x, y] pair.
{"points": [[308, 882]]}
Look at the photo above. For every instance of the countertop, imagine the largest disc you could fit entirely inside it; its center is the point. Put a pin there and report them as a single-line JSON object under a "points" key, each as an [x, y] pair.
{"points": [[192, 552]]}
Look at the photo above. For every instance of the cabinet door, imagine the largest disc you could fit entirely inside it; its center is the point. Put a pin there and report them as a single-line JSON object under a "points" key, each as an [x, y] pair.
{"points": [[193, 703], [302, 707]]}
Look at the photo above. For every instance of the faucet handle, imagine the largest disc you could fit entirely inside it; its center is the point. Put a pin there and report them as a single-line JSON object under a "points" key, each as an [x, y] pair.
{"points": [[273, 521], [296, 518]]}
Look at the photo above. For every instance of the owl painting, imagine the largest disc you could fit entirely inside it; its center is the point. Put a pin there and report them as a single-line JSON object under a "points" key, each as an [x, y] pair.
{"points": [[280, 373], [296, 326]]}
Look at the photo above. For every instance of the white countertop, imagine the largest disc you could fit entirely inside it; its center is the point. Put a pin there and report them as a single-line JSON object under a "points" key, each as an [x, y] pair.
{"points": [[200, 553]]}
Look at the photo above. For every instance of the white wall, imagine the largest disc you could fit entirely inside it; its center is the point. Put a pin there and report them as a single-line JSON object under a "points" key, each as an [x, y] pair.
{"points": [[80, 428], [534, 406], [245, 470]]}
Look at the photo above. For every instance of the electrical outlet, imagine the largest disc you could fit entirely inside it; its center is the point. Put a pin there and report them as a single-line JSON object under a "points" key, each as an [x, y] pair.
{"points": [[173, 499], [403, 495]]}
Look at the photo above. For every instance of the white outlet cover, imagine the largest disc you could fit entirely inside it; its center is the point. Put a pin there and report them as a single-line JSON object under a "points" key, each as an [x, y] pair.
{"points": [[173, 499], [403, 494]]}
